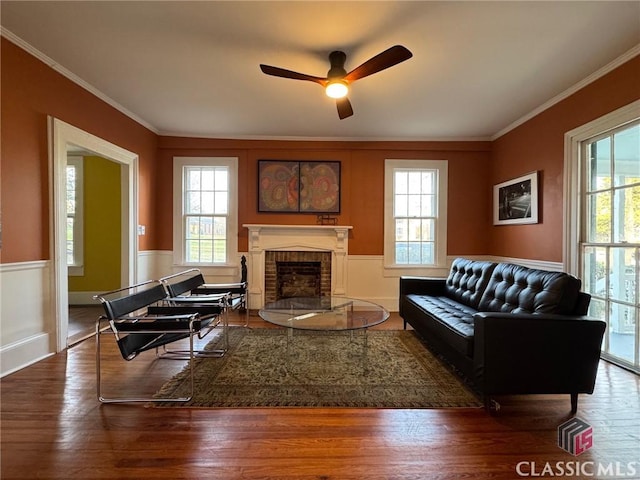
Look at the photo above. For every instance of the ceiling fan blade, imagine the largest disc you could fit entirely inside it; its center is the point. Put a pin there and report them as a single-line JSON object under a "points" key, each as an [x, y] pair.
{"points": [[281, 72], [390, 57], [344, 108]]}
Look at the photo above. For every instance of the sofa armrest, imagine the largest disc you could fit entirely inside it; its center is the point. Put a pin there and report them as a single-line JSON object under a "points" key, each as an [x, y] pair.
{"points": [[532, 353], [422, 285]]}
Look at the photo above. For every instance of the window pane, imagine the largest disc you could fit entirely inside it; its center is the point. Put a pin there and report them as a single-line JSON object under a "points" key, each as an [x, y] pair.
{"points": [[427, 253], [401, 206], [207, 202], [70, 245], [207, 179], [428, 230], [402, 255], [428, 206], [221, 179], [219, 250], [415, 229], [206, 251], [626, 154], [415, 182], [626, 215], [600, 164], [414, 252], [401, 182], [600, 217], [193, 178], [622, 327], [221, 206], [595, 266], [622, 274], [193, 203], [402, 229], [414, 205], [428, 182], [192, 253]]}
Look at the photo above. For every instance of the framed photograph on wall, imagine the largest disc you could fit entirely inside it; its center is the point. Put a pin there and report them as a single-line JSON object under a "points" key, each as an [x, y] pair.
{"points": [[288, 186], [516, 201]]}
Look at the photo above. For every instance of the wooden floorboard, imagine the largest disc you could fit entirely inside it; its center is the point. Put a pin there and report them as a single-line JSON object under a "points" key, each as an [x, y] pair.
{"points": [[53, 427]]}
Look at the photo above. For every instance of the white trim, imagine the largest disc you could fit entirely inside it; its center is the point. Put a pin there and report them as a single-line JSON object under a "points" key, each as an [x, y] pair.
{"points": [[61, 136], [178, 199], [572, 189], [18, 355], [22, 266], [391, 269], [622, 59]]}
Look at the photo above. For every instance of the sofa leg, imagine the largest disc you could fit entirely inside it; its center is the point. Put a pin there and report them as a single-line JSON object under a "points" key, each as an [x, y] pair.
{"points": [[490, 405], [574, 403]]}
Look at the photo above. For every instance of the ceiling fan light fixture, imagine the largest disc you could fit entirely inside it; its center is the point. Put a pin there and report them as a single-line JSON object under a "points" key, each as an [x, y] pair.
{"points": [[337, 89]]}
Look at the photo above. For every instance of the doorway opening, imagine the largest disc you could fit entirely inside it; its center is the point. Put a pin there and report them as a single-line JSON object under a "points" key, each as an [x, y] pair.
{"points": [[66, 137]]}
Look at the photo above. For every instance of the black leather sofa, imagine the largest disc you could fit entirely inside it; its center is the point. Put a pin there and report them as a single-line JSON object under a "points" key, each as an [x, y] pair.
{"points": [[508, 329]]}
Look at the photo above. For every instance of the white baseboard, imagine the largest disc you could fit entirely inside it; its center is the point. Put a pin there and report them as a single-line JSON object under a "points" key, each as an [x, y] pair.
{"points": [[23, 353]]}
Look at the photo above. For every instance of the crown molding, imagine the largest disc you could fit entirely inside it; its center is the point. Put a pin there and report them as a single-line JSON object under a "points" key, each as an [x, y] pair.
{"points": [[13, 38], [625, 57]]}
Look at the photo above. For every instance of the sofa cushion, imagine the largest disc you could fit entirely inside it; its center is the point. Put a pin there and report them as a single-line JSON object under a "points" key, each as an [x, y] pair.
{"points": [[452, 321], [467, 281], [517, 289]]}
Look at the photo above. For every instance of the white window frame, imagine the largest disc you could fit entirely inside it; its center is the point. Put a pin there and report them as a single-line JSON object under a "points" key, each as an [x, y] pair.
{"points": [[572, 189], [178, 209], [76, 269], [439, 268]]}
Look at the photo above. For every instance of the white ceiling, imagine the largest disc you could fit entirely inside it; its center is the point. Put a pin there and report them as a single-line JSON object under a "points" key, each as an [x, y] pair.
{"points": [[192, 68]]}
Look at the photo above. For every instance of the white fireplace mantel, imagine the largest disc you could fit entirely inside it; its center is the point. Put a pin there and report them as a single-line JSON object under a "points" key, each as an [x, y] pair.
{"points": [[329, 238]]}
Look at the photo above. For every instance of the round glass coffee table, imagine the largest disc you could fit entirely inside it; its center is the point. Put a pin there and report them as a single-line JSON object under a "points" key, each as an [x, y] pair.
{"points": [[324, 313]]}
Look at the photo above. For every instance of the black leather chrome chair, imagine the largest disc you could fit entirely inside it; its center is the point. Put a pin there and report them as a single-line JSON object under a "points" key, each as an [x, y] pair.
{"points": [[138, 319], [189, 287]]}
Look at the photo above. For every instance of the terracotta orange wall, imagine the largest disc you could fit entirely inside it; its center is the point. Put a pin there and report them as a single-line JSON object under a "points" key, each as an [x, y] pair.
{"points": [[538, 145], [362, 192], [30, 92]]}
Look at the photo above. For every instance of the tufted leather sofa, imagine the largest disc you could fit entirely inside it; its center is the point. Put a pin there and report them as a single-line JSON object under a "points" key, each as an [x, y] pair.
{"points": [[508, 329]]}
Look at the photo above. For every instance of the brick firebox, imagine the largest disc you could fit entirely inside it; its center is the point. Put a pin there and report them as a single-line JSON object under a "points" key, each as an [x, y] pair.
{"points": [[305, 263]]}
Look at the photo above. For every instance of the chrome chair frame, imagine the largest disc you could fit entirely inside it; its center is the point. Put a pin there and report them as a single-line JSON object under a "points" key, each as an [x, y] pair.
{"points": [[181, 297], [136, 330]]}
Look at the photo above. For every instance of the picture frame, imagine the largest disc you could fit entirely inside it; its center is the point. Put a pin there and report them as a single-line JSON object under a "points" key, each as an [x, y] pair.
{"points": [[297, 186], [516, 201]]}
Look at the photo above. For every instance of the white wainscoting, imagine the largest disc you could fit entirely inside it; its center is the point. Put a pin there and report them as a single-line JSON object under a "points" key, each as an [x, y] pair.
{"points": [[27, 327]]}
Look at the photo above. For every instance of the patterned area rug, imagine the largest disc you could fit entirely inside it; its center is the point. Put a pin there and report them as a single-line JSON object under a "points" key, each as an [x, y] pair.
{"points": [[267, 368]]}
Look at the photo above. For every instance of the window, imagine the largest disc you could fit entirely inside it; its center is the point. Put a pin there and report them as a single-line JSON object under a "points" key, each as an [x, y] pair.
{"points": [[610, 246], [74, 207], [415, 215], [602, 227], [205, 207]]}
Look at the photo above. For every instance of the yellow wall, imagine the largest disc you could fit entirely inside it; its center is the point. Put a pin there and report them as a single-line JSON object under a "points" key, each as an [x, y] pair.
{"points": [[102, 227]]}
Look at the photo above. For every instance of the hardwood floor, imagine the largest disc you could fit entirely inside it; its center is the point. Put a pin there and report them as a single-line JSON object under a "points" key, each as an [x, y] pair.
{"points": [[53, 427]]}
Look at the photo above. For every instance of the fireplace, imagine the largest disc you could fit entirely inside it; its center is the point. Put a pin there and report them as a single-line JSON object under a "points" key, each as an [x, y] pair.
{"points": [[297, 274], [330, 241]]}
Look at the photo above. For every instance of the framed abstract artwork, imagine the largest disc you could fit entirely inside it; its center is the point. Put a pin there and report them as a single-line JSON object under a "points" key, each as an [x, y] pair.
{"points": [[291, 186], [516, 201]]}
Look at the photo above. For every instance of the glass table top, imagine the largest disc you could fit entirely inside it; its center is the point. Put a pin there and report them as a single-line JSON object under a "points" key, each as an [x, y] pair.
{"points": [[323, 313]]}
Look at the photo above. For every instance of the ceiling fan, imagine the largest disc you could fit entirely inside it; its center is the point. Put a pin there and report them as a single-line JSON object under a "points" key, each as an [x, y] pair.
{"points": [[337, 81]]}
